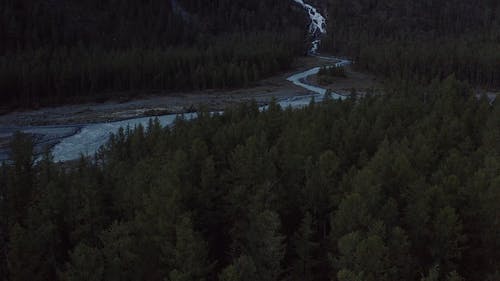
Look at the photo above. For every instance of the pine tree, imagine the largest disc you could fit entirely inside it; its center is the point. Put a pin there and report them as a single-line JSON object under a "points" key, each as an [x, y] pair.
{"points": [[304, 248], [447, 239], [189, 261], [86, 263], [264, 244], [242, 269], [20, 187], [120, 259], [19, 255], [454, 276]]}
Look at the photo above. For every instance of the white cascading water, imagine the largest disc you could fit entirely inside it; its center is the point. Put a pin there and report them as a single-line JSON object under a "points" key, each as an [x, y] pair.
{"points": [[86, 139], [317, 28]]}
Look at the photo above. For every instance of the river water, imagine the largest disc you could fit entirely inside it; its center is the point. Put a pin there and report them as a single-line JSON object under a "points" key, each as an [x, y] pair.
{"points": [[91, 137], [70, 142]]}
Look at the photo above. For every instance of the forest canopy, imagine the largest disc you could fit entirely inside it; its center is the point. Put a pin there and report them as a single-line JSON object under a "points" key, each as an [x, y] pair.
{"points": [[419, 40], [400, 186], [71, 51], [68, 51]]}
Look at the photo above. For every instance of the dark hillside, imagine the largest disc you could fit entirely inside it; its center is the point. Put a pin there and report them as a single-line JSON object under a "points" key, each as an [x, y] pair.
{"points": [[420, 40], [58, 51]]}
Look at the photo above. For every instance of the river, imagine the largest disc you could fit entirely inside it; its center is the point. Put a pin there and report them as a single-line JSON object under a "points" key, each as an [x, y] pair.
{"points": [[91, 137], [70, 142]]}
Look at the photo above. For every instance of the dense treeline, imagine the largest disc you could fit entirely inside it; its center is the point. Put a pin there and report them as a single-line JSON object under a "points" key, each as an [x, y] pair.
{"points": [[406, 19], [426, 39], [31, 24], [69, 50], [42, 75], [403, 186], [478, 63], [327, 75], [54, 51]]}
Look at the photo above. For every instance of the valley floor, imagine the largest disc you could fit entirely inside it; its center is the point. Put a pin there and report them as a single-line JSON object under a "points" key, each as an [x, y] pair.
{"points": [[85, 127], [213, 100], [49, 126], [152, 105]]}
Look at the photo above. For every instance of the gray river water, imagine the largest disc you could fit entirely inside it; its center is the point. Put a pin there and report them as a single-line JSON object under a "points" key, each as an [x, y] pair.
{"points": [[70, 142]]}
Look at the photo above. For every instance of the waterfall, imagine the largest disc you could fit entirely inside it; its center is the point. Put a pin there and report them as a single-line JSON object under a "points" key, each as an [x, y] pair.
{"points": [[317, 28]]}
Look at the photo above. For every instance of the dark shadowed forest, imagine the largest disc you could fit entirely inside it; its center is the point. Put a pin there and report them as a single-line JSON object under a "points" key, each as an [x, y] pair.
{"points": [[61, 51], [70, 51], [403, 186], [419, 40]]}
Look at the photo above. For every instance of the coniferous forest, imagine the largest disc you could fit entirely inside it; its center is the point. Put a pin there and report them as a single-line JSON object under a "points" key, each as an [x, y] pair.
{"points": [[403, 185], [419, 40], [69, 51]]}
